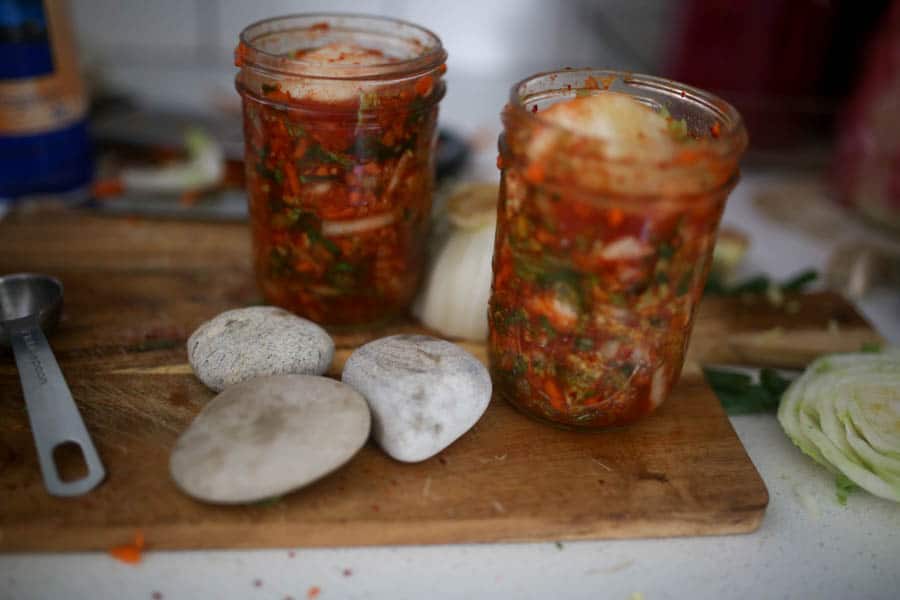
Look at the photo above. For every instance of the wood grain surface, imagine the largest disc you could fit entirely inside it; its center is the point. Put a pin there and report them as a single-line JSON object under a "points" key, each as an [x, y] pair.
{"points": [[136, 289]]}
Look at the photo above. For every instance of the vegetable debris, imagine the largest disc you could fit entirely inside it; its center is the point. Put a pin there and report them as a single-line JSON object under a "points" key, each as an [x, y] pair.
{"points": [[131, 553], [741, 395], [843, 488], [203, 168], [760, 284]]}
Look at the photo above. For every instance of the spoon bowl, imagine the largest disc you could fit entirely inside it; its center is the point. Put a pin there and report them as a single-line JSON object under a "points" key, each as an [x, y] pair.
{"points": [[27, 294]]}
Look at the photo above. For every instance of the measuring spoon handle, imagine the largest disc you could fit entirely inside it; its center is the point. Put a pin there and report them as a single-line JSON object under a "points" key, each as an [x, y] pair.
{"points": [[52, 412]]}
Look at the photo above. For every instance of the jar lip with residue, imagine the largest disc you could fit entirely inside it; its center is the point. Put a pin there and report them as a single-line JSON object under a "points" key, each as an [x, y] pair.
{"points": [[266, 46], [702, 110]]}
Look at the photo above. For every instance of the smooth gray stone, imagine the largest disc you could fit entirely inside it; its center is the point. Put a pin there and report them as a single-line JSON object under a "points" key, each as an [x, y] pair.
{"points": [[424, 393], [240, 344], [268, 436]]}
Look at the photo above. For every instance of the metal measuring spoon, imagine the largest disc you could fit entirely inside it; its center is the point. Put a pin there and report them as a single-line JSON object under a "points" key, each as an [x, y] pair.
{"points": [[29, 303]]}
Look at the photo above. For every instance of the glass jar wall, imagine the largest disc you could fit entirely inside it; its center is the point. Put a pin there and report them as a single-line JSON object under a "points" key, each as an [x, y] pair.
{"points": [[602, 246], [340, 123]]}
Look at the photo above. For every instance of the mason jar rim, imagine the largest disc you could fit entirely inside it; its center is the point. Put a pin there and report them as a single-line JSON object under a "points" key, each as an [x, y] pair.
{"points": [[731, 140], [432, 56]]}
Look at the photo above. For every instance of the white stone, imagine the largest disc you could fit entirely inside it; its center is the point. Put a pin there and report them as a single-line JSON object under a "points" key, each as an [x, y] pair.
{"points": [[423, 392], [240, 344], [268, 436]]}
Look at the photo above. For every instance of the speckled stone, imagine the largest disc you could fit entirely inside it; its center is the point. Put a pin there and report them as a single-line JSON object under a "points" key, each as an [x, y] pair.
{"points": [[252, 342], [423, 392], [268, 436]]}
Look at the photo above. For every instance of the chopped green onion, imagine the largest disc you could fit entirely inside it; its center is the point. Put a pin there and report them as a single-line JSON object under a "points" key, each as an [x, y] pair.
{"points": [[584, 344]]}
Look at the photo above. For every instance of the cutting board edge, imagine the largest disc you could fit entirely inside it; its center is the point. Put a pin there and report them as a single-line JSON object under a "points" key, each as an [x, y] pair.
{"points": [[212, 536]]}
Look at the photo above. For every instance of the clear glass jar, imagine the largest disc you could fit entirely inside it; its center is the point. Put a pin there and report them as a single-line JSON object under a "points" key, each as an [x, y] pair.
{"points": [[340, 127], [601, 251]]}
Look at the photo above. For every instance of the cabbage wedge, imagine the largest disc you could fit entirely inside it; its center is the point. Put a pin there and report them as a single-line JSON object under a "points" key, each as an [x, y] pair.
{"points": [[844, 412]]}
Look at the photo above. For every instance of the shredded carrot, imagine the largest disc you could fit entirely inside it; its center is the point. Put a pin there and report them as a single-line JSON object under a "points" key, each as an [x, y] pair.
{"points": [[545, 237], [555, 395], [499, 162], [614, 217], [686, 157], [129, 553], [423, 86], [582, 210], [240, 54], [279, 95], [290, 172], [107, 188], [503, 274], [534, 173], [442, 69], [338, 212], [301, 148], [716, 129]]}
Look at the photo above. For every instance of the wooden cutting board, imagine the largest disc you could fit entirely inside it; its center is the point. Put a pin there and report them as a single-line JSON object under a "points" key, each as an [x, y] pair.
{"points": [[136, 289]]}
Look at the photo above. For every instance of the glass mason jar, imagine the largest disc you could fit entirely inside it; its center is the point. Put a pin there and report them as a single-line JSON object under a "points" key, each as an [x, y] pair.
{"points": [[340, 127], [602, 253]]}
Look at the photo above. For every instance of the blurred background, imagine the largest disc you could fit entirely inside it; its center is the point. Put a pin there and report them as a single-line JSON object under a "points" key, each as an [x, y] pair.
{"points": [[179, 52], [791, 66], [788, 64]]}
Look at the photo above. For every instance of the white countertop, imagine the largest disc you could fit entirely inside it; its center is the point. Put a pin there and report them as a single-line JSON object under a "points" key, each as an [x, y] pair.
{"points": [[808, 546]]}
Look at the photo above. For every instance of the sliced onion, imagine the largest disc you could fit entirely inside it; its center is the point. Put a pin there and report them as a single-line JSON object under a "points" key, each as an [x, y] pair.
{"points": [[339, 228]]}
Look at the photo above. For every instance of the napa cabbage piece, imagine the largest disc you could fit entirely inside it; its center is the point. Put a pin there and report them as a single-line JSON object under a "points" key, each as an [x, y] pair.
{"points": [[844, 412]]}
